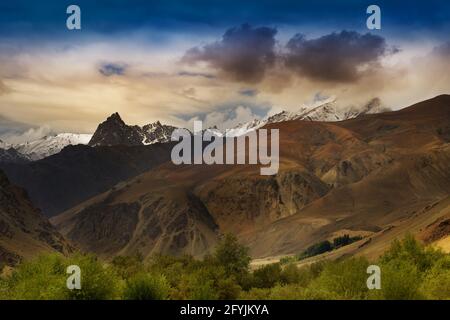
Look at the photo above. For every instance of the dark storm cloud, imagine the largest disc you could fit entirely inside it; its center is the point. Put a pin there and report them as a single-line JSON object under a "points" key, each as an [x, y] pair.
{"points": [[340, 57], [244, 53], [110, 69]]}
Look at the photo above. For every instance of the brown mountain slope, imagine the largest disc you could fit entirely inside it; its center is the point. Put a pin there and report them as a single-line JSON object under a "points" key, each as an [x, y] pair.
{"points": [[360, 175], [429, 224], [78, 173], [23, 230]]}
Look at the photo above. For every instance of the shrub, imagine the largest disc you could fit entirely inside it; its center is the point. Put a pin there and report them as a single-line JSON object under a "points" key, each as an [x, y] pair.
{"points": [[288, 259], [126, 266], [345, 279], [400, 280], [267, 276], [198, 285], [228, 289], [44, 278], [204, 290], [436, 283], [144, 286], [255, 294], [412, 271], [98, 281], [409, 249], [291, 274], [287, 292]]}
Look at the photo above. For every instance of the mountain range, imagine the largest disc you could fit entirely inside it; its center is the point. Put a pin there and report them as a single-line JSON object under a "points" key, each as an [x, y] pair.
{"points": [[50, 144], [370, 176], [375, 175], [114, 131], [328, 110]]}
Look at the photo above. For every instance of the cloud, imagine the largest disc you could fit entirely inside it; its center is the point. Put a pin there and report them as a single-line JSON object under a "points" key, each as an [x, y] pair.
{"points": [[249, 92], [226, 119], [28, 135], [110, 69], [17, 132], [3, 88], [320, 96], [244, 53], [11, 127], [442, 50], [336, 57], [195, 74]]}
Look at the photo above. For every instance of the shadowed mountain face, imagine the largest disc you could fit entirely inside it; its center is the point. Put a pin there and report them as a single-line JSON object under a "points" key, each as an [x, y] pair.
{"points": [[11, 155], [366, 176], [79, 172], [113, 131], [23, 230]]}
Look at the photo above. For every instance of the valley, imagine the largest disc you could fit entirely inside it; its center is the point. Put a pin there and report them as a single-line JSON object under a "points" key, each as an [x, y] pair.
{"points": [[377, 176], [363, 175]]}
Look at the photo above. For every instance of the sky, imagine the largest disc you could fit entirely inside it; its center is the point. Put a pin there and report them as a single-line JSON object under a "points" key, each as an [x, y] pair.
{"points": [[223, 62]]}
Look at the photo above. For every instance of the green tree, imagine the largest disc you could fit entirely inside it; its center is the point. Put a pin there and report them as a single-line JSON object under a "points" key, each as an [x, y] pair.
{"points": [[232, 256], [436, 283], [410, 250], [400, 280], [316, 249], [345, 279]]}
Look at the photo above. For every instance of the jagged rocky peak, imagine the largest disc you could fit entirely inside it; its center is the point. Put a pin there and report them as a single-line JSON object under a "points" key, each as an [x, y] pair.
{"points": [[156, 124], [115, 117], [156, 132], [114, 131]]}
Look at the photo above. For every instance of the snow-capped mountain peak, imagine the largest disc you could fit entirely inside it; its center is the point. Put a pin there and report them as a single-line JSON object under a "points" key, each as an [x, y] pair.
{"points": [[156, 132], [326, 110], [114, 131], [4, 145], [51, 144]]}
